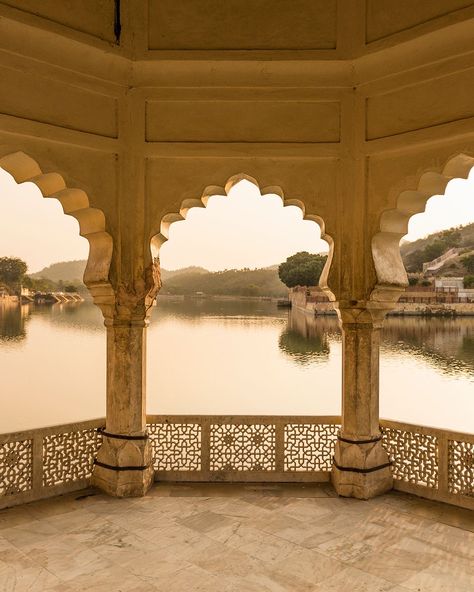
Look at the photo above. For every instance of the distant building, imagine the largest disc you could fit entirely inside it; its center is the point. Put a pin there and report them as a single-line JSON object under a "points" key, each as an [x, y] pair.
{"points": [[449, 284]]}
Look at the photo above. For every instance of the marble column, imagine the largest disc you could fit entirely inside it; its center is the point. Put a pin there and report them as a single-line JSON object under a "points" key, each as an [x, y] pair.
{"points": [[124, 464], [361, 466]]}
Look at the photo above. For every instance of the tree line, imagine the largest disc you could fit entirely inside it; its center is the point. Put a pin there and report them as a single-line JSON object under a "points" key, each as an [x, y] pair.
{"points": [[14, 276]]}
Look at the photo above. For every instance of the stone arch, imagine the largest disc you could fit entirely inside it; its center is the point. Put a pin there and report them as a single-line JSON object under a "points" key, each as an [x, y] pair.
{"points": [[75, 202], [158, 238], [388, 263]]}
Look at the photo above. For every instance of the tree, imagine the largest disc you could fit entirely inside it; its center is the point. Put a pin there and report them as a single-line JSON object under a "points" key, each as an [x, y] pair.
{"points": [[250, 290], [12, 271], [468, 263], [434, 250], [414, 261], [70, 288], [469, 281], [451, 237], [302, 269]]}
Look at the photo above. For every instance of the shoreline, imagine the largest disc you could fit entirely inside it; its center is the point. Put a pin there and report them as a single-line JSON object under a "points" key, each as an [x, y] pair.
{"points": [[403, 310], [408, 309]]}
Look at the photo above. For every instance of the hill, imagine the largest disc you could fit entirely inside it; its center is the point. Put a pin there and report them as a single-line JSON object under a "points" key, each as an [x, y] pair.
{"points": [[188, 280], [73, 271], [232, 282], [466, 234], [415, 253], [66, 271], [166, 275], [265, 282]]}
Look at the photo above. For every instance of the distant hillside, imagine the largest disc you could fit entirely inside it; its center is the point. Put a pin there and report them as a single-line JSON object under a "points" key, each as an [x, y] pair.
{"points": [[233, 282], [167, 275], [415, 253], [246, 282], [67, 271], [70, 271]]}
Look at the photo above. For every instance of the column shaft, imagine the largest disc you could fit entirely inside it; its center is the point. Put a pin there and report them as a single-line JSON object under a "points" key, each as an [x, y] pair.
{"points": [[361, 466], [124, 464], [126, 378], [360, 380]]}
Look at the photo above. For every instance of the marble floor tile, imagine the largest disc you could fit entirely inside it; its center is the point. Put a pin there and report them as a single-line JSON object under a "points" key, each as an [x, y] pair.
{"points": [[65, 561], [112, 579], [353, 580], [285, 526], [31, 578], [189, 579], [397, 567], [26, 535], [256, 543], [236, 538], [206, 522], [453, 575]]}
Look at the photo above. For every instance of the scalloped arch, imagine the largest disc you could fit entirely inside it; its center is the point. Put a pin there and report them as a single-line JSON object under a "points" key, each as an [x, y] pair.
{"points": [[75, 202], [394, 222], [162, 236]]}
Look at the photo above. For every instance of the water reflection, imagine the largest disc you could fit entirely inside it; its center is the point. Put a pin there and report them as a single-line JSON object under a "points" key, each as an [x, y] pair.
{"points": [[230, 357], [199, 309], [13, 318], [305, 340], [446, 344], [77, 316]]}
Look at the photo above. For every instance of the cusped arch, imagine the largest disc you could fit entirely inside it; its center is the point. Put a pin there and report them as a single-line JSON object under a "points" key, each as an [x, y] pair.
{"points": [[75, 202], [158, 238], [394, 222]]}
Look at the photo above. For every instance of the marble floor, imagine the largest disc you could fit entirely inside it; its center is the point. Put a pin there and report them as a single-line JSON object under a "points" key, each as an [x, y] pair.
{"points": [[245, 538]]}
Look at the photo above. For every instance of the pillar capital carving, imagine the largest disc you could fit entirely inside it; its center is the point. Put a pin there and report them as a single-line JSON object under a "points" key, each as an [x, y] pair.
{"points": [[129, 303], [363, 313]]}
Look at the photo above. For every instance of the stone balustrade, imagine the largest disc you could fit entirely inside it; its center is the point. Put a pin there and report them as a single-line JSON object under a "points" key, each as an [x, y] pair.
{"points": [[432, 463]]}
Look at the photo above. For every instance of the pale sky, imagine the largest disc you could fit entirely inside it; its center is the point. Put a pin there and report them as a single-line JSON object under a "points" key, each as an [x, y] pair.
{"points": [[243, 229]]}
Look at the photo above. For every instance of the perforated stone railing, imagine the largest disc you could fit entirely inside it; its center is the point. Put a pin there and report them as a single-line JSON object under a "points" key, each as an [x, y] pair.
{"points": [[243, 448], [45, 462], [429, 462], [433, 463]]}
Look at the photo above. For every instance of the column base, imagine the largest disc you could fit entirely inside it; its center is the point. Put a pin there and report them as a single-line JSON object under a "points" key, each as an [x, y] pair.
{"points": [[361, 470], [124, 468]]}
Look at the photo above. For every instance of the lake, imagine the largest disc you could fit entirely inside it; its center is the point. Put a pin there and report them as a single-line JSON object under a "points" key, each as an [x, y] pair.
{"points": [[230, 357]]}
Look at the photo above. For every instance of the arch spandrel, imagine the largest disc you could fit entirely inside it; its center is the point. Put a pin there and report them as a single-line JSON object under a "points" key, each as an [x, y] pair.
{"points": [[161, 232], [391, 277], [75, 202]]}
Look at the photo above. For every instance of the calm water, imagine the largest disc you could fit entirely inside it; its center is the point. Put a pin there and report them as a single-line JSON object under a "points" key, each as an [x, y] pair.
{"points": [[210, 357]]}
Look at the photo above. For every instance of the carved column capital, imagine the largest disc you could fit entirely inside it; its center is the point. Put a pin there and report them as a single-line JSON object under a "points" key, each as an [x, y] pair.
{"points": [[369, 313]]}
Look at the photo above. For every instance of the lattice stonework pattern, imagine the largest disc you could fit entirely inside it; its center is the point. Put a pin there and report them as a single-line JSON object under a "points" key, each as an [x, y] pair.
{"points": [[414, 456], [461, 468], [241, 447], [176, 446], [69, 457], [16, 467], [309, 447]]}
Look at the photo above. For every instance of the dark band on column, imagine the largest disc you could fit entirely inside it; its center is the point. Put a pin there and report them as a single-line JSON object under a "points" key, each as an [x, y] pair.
{"points": [[359, 470], [349, 441], [113, 468], [121, 436]]}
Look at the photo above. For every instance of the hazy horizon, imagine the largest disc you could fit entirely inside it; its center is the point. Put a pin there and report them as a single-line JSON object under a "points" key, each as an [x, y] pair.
{"points": [[242, 230]]}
